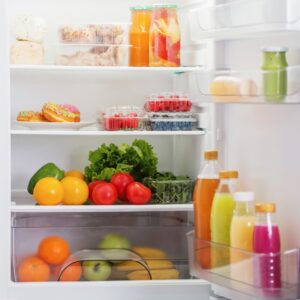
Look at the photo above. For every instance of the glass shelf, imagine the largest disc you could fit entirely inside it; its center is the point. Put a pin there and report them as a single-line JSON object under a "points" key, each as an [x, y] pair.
{"points": [[250, 86], [243, 19], [245, 272]]}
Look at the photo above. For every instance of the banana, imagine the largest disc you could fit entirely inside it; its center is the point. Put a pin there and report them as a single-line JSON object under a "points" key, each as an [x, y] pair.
{"points": [[150, 253], [156, 275], [129, 266]]}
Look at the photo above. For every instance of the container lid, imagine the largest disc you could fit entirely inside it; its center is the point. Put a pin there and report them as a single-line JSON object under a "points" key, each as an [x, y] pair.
{"points": [[141, 7], [164, 6], [265, 207], [275, 49], [244, 196], [211, 155], [232, 174]]}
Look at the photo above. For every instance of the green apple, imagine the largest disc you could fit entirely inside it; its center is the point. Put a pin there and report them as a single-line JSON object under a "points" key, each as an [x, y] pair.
{"points": [[96, 270]]}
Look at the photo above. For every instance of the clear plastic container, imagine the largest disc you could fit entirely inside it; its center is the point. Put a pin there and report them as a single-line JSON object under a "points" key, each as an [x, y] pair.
{"points": [[166, 115], [105, 34], [92, 55], [124, 118], [168, 102], [165, 124], [171, 191]]}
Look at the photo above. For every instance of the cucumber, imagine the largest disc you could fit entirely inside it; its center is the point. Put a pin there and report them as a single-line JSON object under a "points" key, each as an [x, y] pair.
{"points": [[48, 170]]}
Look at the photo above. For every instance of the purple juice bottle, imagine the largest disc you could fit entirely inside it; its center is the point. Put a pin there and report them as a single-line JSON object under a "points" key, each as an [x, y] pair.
{"points": [[266, 241]]}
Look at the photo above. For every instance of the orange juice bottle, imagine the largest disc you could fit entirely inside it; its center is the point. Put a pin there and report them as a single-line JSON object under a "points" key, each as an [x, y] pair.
{"points": [[139, 36], [204, 191]]}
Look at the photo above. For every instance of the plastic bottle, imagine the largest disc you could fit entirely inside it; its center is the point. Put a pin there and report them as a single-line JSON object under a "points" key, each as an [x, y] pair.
{"points": [[266, 240]]}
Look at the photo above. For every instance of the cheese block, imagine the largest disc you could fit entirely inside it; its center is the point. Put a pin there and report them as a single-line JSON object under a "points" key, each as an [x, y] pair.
{"points": [[29, 28], [27, 53]]}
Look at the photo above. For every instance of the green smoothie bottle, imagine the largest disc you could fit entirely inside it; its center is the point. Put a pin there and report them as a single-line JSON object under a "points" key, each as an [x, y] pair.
{"points": [[275, 77]]}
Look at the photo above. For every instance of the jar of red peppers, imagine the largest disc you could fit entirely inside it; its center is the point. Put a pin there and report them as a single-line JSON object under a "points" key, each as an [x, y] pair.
{"points": [[164, 40]]}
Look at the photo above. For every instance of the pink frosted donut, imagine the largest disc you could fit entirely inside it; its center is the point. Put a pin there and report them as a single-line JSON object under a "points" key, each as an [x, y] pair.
{"points": [[73, 109]]}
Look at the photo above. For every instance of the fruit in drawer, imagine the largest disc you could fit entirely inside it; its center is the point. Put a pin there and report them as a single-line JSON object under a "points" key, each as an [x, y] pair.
{"points": [[153, 264], [121, 181], [74, 173], [33, 269], [96, 270], [76, 191], [138, 194], [104, 194], [48, 170], [150, 253], [54, 250], [165, 274], [48, 191], [72, 272]]}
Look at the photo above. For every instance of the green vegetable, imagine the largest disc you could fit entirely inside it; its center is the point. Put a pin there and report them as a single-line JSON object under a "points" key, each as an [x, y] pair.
{"points": [[48, 170], [138, 159], [168, 188]]}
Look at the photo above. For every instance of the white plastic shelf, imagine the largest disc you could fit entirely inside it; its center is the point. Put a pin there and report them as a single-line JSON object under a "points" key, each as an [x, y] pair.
{"points": [[243, 19], [22, 202], [105, 133]]}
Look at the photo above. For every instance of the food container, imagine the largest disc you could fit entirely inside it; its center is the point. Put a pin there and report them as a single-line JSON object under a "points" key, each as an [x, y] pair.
{"points": [[92, 55], [167, 115], [124, 118], [105, 34], [166, 124], [168, 102], [170, 191]]}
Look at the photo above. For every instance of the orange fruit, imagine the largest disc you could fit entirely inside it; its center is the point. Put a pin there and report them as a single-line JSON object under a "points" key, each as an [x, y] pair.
{"points": [[72, 272], [48, 191], [75, 173], [33, 269], [54, 250], [76, 191]]}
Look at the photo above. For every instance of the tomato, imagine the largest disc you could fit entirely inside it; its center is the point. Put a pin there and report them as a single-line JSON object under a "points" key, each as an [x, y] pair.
{"points": [[121, 181], [105, 194], [92, 185], [137, 193]]}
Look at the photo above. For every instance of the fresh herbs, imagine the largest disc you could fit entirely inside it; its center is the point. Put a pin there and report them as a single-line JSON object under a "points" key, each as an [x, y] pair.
{"points": [[138, 159]]}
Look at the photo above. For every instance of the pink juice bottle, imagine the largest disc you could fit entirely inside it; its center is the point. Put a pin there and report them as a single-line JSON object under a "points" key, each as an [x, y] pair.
{"points": [[266, 240]]}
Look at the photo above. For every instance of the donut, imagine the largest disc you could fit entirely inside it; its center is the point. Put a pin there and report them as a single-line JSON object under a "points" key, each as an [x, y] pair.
{"points": [[25, 116], [56, 113], [38, 117], [73, 109]]}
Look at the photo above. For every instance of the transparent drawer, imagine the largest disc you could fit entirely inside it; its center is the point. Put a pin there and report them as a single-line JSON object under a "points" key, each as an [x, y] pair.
{"points": [[89, 248], [105, 33], [243, 17], [91, 55], [250, 86], [263, 276]]}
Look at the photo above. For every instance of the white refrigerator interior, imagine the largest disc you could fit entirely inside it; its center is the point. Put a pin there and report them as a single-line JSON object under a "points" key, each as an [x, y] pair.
{"points": [[258, 139]]}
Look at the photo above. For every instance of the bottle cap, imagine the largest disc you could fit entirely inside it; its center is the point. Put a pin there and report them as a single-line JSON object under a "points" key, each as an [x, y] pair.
{"points": [[275, 49], [265, 207], [211, 155], [165, 6], [244, 196], [232, 174], [140, 7]]}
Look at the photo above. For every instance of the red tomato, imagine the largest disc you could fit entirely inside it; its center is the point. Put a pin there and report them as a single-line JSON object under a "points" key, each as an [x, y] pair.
{"points": [[137, 193], [105, 194], [121, 181], [92, 185]]}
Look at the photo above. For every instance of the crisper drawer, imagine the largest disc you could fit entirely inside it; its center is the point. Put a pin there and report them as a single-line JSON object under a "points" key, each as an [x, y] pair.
{"points": [[99, 247]]}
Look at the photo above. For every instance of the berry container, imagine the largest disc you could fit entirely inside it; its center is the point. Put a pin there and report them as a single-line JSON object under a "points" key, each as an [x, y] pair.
{"points": [[173, 124]]}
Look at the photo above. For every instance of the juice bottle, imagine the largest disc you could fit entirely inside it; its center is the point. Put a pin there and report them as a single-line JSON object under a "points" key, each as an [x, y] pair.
{"points": [[241, 237], [275, 77], [204, 191], [139, 36], [221, 216], [266, 240]]}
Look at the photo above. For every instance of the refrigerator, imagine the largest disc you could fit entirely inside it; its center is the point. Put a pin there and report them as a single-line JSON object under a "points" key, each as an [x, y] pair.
{"points": [[252, 135]]}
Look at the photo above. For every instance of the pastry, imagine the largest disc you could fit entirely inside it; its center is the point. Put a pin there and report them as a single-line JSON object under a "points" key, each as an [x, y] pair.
{"points": [[225, 89], [56, 113], [73, 109], [29, 28], [25, 116], [27, 53], [38, 117], [248, 88]]}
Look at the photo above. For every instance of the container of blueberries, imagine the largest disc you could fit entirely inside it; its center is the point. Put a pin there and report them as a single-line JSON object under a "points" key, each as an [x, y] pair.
{"points": [[172, 121]]}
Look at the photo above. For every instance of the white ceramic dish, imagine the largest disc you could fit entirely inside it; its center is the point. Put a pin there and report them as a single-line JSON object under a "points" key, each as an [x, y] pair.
{"points": [[54, 125]]}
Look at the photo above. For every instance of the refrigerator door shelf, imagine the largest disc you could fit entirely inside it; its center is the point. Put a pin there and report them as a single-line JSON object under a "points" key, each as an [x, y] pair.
{"points": [[245, 273], [243, 19]]}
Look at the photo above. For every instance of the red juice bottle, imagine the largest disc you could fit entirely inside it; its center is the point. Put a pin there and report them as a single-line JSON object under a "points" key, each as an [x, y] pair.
{"points": [[266, 240]]}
